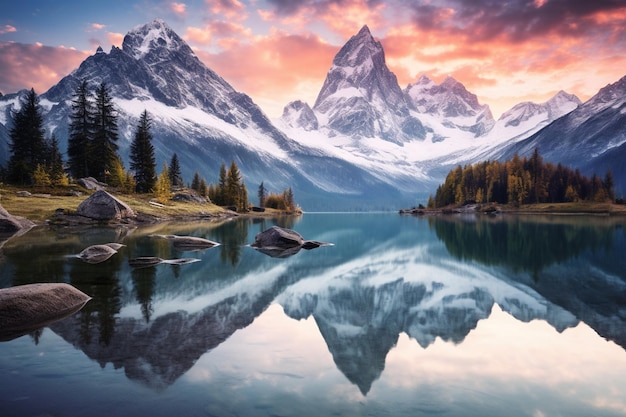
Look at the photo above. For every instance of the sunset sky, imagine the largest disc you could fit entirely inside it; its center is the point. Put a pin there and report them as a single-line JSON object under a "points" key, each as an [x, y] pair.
{"points": [[277, 51]]}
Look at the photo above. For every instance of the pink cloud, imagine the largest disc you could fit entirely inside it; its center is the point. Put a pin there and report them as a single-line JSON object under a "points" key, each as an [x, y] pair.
{"points": [[7, 29], [276, 67], [218, 31], [232, 9], [115, 38], [97, 26], [179, 9], [35, 66]]}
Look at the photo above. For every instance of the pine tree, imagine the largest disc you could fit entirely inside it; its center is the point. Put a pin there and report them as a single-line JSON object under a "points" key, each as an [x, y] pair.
{"points": [[262, 194], [176, 179], [104, 147], [232, 192], [80, 132], [243, 198], [289, 201], [142, 160], [220, 199], [609, 185], [55, 162], [195, 183], [28, 146]]}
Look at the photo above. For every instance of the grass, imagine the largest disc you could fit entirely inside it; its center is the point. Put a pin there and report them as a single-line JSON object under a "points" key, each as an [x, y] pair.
{"points": [[43, 203], [581, 207]]}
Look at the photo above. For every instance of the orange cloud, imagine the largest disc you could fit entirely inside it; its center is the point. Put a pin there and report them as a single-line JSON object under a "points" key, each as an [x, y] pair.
{"points": [[343, 17], [232, 9], [97, 26], [179, 9], [35, 66], [275, 69], [115, 38], [229, 32]]}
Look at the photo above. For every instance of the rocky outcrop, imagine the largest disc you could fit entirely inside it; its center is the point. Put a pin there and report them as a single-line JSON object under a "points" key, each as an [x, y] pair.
{"points": [[278, 242], [26, 308], [11, 225], [102, 206], [91, 183], [99, 253]]}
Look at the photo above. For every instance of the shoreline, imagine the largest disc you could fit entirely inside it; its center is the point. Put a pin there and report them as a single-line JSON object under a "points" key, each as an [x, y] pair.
{"points": [[556, 209]]}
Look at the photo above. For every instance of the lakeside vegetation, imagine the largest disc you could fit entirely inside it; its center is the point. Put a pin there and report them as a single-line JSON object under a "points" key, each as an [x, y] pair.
{"points": [[36, 164], [521, 181]]}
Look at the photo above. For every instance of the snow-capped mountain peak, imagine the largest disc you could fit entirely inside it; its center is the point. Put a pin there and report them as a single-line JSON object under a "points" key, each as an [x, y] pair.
{"points": [[361, 96], [155, 37]]}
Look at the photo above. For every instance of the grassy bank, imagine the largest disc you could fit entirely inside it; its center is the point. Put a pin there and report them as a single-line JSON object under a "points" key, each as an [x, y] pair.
{"points": [[43, 203], [583, 207]]}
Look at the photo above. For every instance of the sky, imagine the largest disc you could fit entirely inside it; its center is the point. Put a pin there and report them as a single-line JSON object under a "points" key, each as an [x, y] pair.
{"points": [[278, 51]]}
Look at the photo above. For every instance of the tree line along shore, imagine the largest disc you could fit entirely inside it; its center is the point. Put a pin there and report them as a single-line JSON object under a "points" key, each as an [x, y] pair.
{"points": [[92, 152]]}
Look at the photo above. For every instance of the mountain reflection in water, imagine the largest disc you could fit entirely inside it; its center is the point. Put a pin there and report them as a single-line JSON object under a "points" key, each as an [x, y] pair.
{"points": [[387, 276]]}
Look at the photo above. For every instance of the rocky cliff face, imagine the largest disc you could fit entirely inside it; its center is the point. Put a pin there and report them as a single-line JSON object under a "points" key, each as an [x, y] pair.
{"points": [[361, 96]]}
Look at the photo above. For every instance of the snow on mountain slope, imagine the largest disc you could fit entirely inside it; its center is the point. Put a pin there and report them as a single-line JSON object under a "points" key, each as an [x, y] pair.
{"points": [[361, 97], [452, 103]]}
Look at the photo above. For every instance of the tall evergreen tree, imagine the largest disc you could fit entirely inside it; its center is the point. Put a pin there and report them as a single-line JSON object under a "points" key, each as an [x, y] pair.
{"points": [[142, 159], [220, 198], [195, 183], [80, 131], [233, 182], [28, 146], [262, 194], [55, 162], [104, 145], [176, 179]]}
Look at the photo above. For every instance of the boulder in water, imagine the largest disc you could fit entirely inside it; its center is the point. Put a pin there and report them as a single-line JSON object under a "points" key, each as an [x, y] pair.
{"points": [[99, 253], [26, 308], [279, 242]]}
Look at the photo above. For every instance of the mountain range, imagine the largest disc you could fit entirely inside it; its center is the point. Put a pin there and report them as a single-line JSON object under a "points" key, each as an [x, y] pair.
{"points": [[364, 144]]}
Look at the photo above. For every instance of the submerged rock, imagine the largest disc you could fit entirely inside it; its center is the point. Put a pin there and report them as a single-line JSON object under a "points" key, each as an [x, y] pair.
{"points": [[103, 206], [279, 242], [99, 253], [26, 308], [147, 261], [189, 243]]}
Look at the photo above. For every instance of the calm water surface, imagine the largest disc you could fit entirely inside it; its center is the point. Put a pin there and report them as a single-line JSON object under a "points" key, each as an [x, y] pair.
{"points": [[403, 316]]}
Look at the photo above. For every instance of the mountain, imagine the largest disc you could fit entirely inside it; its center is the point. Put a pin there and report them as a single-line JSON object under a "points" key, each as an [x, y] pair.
{"points": [[408, 138], [364, 144], [198, 115], [361, 96], [451, 102], [592, 137]]}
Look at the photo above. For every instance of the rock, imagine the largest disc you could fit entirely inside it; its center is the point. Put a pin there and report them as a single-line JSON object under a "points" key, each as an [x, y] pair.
{"points": [[99, 253], [91, 183], [103, 206], [189, 243], [190, 198], [278, 237], [278, 242], [23, 194], [26, 308], [10, 224], [147, 261]]}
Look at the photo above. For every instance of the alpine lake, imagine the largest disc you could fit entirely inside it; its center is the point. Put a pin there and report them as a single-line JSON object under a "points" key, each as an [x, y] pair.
{"points": [[458, 315]]}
